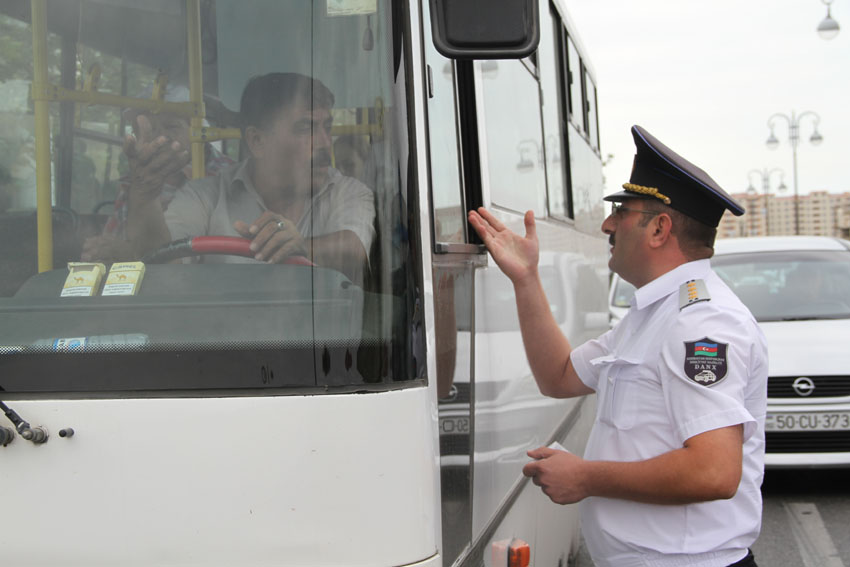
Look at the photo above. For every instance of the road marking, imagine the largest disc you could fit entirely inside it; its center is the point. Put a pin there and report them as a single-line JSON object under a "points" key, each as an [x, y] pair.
{"points": [[813, 541]]}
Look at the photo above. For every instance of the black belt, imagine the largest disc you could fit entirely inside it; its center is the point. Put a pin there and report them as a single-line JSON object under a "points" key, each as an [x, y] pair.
{"points": [[748, 561]]}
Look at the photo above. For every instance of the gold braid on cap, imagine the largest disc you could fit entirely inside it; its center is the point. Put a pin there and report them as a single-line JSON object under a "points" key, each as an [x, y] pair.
{"points": [[652, 191]]}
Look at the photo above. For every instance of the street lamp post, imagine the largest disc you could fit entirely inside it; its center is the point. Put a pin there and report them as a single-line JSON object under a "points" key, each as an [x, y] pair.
{"points": [[751, 198], [794, 137], [828, 28], [765, 186]]}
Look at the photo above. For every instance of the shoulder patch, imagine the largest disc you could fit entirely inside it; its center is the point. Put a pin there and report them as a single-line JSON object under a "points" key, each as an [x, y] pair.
{"points": [[705, 361], [692, 291]]}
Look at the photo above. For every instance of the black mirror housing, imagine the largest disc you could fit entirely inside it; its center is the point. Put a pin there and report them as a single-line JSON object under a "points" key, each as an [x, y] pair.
{"points": [[485, 29]]}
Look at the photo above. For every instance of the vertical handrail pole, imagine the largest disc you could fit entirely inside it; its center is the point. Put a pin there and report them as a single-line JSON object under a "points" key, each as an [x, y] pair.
{"points": [[196, 83], [44, 202]]}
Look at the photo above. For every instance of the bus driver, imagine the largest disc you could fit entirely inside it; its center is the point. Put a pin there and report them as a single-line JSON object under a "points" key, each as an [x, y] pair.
{"points": [[285, 197]]}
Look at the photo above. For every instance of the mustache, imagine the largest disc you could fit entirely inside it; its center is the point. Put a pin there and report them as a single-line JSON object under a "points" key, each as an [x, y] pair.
{"points": [[321, 158], [611, 240]]}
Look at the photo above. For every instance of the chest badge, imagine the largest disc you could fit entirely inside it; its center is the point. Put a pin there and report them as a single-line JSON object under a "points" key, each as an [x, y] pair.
{"points": [[705, 361]]}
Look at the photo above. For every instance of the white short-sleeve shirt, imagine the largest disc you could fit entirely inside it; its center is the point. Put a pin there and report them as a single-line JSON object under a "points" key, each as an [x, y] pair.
{"points": [[211, 205], [664, 374]]}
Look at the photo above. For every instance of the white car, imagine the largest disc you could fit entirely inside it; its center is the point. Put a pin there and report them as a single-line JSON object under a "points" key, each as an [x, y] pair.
{"points": [[619, 298], [798, 288]]}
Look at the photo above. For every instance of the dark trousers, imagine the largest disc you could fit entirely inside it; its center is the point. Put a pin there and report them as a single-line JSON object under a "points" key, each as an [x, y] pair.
{"points": [[748, 561]]}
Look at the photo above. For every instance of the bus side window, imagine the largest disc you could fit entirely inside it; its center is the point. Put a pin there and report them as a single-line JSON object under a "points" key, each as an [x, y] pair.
{"points": [[575, 82], [592, 116], [512, 136], [447, 193], [553, 74]]}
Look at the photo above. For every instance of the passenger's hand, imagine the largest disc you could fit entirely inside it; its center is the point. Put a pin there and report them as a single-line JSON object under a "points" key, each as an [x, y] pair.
{"points": [[274, 238], [107, 249], [557, 473], [517, 256], [152, 160]]}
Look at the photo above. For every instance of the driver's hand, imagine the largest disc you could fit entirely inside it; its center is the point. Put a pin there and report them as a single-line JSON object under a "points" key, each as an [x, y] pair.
{"points": [[107, 249], [152, 160], [274, 238]]}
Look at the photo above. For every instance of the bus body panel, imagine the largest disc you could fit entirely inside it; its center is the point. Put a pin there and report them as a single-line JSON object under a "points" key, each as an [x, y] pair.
{"points": [[495, 399], [511, 415], [282, 480]]}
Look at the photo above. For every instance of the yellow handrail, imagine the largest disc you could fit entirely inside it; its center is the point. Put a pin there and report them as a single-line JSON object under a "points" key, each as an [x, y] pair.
{"points": [[43, 91], [44, 201], [90, 84], [196, 83], [357, 130], [211, 134]]}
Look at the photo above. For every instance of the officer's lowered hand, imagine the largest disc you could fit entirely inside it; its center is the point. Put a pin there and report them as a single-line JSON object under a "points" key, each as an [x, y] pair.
{"points": [[558, 473]]}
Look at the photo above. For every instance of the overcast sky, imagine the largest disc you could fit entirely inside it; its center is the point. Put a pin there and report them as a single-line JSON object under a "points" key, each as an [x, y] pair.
{"points": [[705, 77]]}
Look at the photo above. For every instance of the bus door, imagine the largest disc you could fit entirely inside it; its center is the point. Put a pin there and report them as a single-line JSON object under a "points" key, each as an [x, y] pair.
{"points": [[498, 136], [453, 278]]}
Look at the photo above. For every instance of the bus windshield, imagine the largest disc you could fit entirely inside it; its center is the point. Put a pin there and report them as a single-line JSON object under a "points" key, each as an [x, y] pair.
{"points": [[220, 199]]}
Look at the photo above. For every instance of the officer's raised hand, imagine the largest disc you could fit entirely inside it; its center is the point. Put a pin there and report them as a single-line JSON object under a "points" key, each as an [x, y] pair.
{"points": [[516, 255]]}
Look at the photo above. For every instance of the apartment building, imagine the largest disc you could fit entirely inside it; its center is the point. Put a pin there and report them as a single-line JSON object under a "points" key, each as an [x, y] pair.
{"points": [[821, 214]]}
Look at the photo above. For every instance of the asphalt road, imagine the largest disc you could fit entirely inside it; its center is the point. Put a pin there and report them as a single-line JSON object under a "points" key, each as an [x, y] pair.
{"points": [[804, 523], [805, 519]]}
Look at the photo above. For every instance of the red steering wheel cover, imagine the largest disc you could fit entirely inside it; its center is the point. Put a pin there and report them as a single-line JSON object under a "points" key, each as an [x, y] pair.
{"points": [[237, 246]]}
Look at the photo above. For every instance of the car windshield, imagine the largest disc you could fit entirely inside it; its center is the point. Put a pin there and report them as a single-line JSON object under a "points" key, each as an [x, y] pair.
{"points": [[789, 285]]}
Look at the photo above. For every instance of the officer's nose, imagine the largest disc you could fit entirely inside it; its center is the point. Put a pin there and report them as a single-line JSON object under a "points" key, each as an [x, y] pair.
{"points": [[609, 224]]}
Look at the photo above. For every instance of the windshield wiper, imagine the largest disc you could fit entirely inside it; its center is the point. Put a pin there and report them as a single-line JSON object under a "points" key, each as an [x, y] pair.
{"points": [[35, 434]]}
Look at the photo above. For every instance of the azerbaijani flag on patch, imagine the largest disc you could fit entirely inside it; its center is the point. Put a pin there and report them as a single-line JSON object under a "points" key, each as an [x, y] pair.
{"points": [[705, 349]]}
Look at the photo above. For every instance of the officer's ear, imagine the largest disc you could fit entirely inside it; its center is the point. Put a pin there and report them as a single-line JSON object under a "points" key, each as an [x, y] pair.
{"points": [[660, 230]]}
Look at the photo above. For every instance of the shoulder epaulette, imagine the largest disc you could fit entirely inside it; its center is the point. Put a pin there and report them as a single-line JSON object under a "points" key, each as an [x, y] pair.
{"points": [[692, 291]]}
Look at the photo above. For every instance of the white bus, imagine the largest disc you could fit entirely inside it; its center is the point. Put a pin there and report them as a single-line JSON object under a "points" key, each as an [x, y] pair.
{"points": [[238, 412]]}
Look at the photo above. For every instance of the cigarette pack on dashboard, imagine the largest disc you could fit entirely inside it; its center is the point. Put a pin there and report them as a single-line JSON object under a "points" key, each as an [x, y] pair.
{"points": [[83, 279], [124, 278]]}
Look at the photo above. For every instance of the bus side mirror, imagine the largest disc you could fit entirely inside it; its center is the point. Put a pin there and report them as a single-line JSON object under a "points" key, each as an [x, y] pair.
{"points": [[485, 29]]}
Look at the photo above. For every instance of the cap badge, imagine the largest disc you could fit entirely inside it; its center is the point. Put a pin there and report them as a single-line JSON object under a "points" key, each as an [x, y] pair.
{"points": [[651, 191], [705, 361]]}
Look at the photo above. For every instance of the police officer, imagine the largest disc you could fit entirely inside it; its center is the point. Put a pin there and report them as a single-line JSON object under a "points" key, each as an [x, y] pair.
{"points": [[672, 471]]}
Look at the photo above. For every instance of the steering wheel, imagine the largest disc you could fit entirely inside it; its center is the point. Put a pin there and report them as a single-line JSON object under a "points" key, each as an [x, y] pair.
{"points": [[201, 245]]}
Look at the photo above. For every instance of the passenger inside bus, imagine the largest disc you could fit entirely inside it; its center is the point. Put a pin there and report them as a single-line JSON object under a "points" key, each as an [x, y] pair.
{"points": [[351, 154], [158, 155], [285, 197]]}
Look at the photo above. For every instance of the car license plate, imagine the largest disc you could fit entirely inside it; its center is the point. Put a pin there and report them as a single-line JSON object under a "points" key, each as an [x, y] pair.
{"points": [[826, 421], [454, 425]]}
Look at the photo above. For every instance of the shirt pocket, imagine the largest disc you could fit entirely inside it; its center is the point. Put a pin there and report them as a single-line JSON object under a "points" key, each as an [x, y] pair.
{"points": [[619, 404]]}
